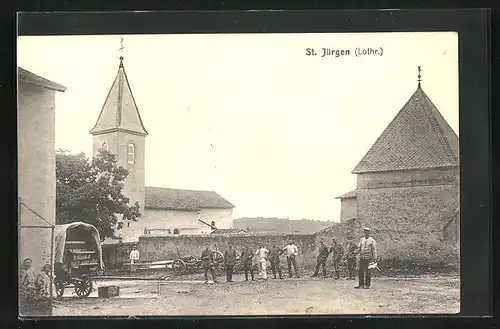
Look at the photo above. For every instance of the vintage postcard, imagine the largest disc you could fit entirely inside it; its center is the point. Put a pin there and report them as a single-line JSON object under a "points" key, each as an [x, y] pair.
{"points": [[238, 174]]}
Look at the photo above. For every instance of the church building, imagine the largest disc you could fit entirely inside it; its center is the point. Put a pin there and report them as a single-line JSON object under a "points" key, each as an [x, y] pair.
{"points": [[408, 181], [119, 129]]}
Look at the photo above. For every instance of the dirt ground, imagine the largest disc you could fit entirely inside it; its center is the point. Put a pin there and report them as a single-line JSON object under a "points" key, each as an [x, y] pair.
{"points": [[272, 297]]}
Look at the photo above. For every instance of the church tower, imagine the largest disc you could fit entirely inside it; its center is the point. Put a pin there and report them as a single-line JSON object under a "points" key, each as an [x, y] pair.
{"points": [[119, 130]]}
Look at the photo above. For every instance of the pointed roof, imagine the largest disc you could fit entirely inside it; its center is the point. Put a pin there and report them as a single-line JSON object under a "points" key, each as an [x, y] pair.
{"points": [[417, 138], [119, 112]]}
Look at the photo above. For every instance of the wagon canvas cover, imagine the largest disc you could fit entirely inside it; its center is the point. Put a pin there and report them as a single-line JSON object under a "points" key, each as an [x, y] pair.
{"points": [[60, 240]]}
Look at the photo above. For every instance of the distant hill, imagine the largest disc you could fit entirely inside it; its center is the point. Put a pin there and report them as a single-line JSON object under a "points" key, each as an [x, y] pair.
{"points": [[280, 225]]}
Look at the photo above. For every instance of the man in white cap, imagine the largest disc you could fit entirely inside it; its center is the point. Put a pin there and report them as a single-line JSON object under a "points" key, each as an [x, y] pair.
{"points": [[367, 253]]}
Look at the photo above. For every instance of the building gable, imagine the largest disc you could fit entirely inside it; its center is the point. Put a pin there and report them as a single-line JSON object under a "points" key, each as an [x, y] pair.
{"points": [[26, 76], [417, 138]]}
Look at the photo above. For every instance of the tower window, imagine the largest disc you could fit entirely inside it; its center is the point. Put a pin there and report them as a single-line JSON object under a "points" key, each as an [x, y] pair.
{"points": [[130, 153], [104, 146]]}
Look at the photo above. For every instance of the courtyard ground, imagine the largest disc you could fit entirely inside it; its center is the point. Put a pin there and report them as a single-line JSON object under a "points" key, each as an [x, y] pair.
{"points": [[190, 296]]}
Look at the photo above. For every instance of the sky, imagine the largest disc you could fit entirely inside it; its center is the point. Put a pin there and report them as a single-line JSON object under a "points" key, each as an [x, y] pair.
{"points": [[250, 116]]}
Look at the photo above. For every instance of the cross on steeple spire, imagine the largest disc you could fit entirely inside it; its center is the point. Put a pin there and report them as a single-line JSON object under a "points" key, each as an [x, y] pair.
{"points": [[121, 51], [419, 77]]}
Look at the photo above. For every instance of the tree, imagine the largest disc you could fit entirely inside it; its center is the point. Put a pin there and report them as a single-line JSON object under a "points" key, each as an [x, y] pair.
{"points": [[90, 191]]}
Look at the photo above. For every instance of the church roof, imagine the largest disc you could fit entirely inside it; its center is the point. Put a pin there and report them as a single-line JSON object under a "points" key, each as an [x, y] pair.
{"points": [[188, 200], [31, 78], [417, 138], [119, 111], [348, 195]]}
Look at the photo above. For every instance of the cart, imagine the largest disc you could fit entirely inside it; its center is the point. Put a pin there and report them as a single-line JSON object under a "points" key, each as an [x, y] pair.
{"points": [[78, 257], [191, 264]]}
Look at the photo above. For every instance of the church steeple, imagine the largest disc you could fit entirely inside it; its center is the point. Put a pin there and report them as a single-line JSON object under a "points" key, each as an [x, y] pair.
{"points": [[120, 112], [120, 131]]}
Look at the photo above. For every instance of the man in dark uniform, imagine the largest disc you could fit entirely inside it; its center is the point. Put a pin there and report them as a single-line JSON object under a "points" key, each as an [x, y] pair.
{"points": [[274, 257], [229, 261], [246, 257], [350, 257], [207, 258], [337, 253], [321, 260]]}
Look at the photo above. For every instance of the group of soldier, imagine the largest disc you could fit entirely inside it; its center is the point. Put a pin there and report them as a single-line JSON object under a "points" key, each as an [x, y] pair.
{"points": [[366, 249], [251, 259]]}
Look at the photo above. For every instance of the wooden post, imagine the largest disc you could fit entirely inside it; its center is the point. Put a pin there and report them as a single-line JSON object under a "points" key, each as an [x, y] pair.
{"points": [[51, 259]]}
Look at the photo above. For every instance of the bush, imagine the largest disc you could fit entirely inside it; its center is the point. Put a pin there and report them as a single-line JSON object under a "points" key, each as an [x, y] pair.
{"points": [[32, 304]]}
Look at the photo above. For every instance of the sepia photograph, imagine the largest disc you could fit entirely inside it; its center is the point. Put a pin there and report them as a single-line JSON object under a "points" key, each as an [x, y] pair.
{"points": [[238, 174]]}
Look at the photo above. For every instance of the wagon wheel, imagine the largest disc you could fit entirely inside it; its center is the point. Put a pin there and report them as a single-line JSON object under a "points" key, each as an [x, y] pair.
{"points": [[59, 289], [219, 269], [238, 267], [179, 267], [84, 288], [218, 257]]}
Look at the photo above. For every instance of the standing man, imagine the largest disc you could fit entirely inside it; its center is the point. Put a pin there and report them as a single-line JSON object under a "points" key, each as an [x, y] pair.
{"points": [[246, 257], [274, 257], [337, 253], [134, 258], [368, 253], [207, 258], [42, 283], [27, 289], [350, 257], [229, 261], [291, 252], [321, 260], [261, 254]]}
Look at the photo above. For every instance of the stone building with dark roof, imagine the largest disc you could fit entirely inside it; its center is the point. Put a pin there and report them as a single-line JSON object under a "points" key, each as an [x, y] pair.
{"points": [[408, 181], [120, 130]]}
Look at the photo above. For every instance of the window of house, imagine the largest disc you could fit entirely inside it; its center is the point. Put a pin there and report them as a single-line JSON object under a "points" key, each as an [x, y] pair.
{"points": [[176, 231], [130, 153], [104, 146]]}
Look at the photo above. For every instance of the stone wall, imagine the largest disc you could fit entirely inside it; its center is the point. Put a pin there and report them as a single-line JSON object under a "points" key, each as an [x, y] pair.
{"points": [[348, 209], [408, 178], [154, 248], [115, 255], [424, 209]]}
